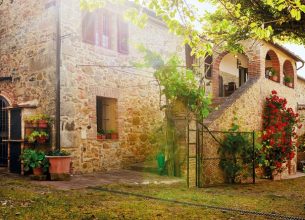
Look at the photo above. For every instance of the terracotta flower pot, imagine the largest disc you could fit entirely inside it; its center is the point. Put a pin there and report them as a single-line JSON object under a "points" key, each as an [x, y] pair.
{"points": [[114, 136], [28, 124], [290, 85], [274, 78], [42, 140], [59, 164], [101, 136], [108, 136], [37, 171], [42, 123]]}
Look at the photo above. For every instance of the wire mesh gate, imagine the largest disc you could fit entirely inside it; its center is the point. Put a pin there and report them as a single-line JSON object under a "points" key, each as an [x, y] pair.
{"points": [[210, 161]]}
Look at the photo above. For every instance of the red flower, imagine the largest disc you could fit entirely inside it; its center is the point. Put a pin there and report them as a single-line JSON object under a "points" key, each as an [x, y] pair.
{"points": [[274, 92]]}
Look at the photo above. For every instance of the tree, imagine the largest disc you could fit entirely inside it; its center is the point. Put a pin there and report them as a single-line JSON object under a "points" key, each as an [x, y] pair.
{"points": [[233, 21]]}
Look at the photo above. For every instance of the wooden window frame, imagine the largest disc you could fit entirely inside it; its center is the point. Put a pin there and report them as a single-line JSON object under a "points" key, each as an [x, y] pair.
{"points": [[123, 32], [98, 17]]}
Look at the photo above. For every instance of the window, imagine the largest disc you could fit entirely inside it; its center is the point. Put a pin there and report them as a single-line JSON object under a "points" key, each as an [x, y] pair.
{"points": [[106, 111], [96, 28], [123, 36]]}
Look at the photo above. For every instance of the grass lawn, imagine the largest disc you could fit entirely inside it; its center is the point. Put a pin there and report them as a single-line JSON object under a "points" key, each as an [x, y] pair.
{"points": [[20, 199]]}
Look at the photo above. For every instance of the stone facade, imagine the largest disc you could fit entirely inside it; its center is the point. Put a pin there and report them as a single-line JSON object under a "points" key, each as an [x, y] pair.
{"points": [[247, 103], [27, 55], [27, 52], [135, 90]]}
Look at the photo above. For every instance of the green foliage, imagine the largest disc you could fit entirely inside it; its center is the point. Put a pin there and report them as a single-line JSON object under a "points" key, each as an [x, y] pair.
{"points": [[182, 84], [236, 154], [34, 159], [101, 132], [272, 72], [226, 27], [301, 143], [37, 117], [58, 153], [287, 79], [35, 135]]}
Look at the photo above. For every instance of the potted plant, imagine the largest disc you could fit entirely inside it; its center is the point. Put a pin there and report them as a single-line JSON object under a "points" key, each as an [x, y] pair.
{"points": [[101, 135], [43, 121], [60, 163], [114, 135], [34, 160], [108, 134], [38, 120], [273, 75], [31, 122], [288, 81], [40, 136]]}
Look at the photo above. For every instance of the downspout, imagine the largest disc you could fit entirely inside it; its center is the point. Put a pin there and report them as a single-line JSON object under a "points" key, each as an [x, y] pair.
{"points": [[58, 63], [301, 66]]}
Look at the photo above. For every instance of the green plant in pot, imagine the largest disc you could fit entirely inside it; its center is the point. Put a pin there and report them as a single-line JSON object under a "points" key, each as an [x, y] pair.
{"points": [[272, 74], [43, 120], [60, 163], [108, 134], [40, 136], [34, 160], [114, 135], [288, 81], [101, 135], [38, 120], [31, 121]]}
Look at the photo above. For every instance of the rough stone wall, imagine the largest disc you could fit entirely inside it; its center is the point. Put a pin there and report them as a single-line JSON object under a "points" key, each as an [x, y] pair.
{"points": [[247, 106], [248, 110], [300, 96], [135, 90], [27, 53]]}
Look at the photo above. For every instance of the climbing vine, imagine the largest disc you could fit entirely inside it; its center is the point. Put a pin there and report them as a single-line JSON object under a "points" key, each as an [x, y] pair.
{"points": [[180, 90], [279, 134]]}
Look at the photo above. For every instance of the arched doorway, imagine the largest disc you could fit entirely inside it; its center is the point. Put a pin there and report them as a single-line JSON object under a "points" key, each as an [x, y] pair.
{"points": [[3, 132], [233, 69]]}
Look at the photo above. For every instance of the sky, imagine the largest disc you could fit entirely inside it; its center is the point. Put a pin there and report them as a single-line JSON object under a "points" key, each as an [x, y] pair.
{"points": [[296, 49]]}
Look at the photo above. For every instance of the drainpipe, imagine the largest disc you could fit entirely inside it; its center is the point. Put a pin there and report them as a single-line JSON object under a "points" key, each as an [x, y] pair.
{"points": [[58, 59], [301, 66]]}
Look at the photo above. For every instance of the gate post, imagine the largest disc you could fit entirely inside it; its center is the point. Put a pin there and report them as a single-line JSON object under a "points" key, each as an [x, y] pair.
{"points": [[254, 156]]}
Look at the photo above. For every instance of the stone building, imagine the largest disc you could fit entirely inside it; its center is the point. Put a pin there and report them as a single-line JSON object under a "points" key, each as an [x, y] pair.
{"points": [[59, 59], [27, 70], [77, 67], [239, 85]]}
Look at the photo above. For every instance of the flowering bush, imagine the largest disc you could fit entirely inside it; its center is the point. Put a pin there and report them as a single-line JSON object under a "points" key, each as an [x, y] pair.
{"points": [[279, 124]]}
